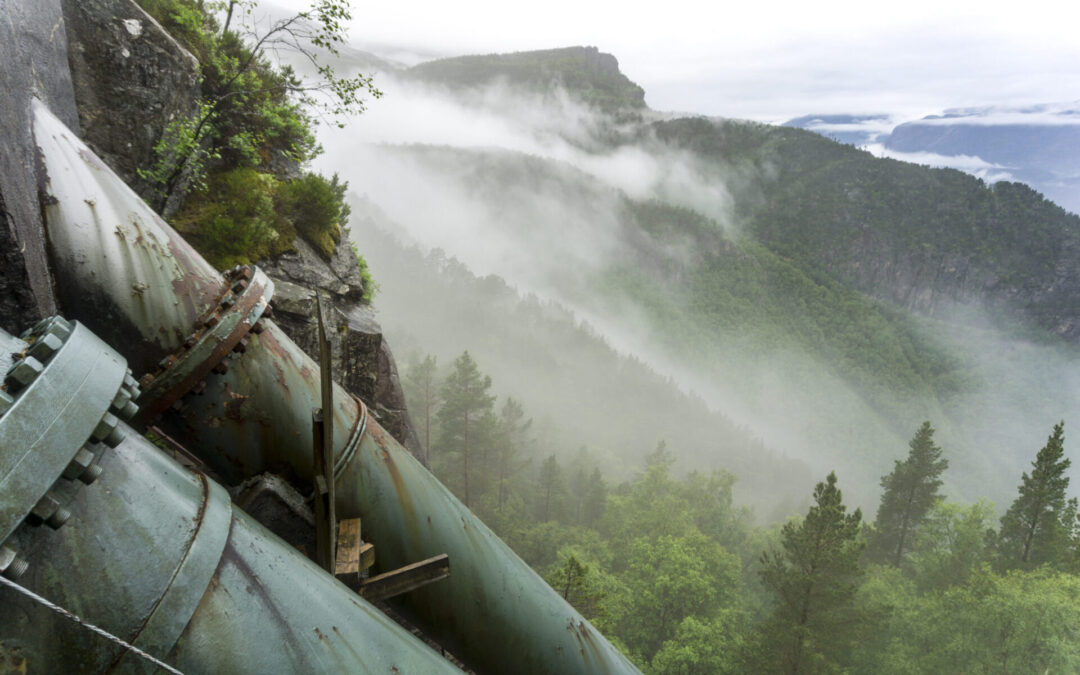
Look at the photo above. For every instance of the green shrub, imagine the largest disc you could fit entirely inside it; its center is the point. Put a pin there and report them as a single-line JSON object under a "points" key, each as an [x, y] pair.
{"points": [[370, 287], [233, 221], [316, 208]]}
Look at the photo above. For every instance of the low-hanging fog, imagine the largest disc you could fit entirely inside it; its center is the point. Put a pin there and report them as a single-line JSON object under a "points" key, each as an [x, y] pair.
{"points": [[534, 190]]}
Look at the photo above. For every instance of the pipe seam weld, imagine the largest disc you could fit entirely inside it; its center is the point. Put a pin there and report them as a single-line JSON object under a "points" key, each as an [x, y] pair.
{"points": [[180, 599]]}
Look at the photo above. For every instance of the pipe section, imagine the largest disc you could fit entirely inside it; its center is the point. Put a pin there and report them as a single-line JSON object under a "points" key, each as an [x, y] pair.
{"points": [[157, 556], [118, 266], [255, 416]]}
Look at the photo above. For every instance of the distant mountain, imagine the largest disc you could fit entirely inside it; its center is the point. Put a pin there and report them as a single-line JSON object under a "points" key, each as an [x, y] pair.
{"points": [[1036, 145], [930, 240], [584, 72], [852, 129]]}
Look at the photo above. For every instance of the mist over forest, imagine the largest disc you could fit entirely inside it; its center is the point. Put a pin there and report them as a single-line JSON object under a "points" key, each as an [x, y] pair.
{"points": [[624, 220]]}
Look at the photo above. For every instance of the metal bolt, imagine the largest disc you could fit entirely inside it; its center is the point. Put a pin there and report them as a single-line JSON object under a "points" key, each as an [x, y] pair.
{"points": [[129, 411], [211, 321], [108, 431], [257, 327], [12, 565], [146, 380], [191, 340], [222, 367], [25, 370], [239, 286], [269, 311], [58, 327], [123, 404], [228, 301], [167, 362], [49, 511], [122, 398], [241, 346], [245, 273], [45, 347], [37, 329], [200, 388], [5, 402], [83, 467]]}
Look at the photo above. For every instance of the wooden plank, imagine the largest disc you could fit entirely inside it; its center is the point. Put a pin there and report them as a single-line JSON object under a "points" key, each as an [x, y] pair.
{"points": [[405, 579], [353, 555]]}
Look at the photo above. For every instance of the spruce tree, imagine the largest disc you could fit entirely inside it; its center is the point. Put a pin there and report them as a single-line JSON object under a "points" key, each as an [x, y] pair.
{"points": [[421, 388], [910, 491], [1033, 530], [814, 579], [466, 419]]}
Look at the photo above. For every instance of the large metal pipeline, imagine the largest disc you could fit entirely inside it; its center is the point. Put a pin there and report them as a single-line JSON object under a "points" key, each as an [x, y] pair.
{"points": [[250, 412], [147, 550]]}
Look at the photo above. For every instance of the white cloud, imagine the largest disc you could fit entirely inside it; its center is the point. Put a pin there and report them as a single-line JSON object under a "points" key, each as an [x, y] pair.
{"points": [[976, 166]]}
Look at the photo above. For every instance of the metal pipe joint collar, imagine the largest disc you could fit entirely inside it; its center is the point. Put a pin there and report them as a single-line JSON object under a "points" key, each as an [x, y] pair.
{"points": [[64, 391]]}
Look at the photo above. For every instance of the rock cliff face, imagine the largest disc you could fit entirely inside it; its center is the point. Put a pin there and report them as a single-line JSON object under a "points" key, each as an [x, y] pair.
{"points": [[130, 80], [33, 46], [361, 356]]}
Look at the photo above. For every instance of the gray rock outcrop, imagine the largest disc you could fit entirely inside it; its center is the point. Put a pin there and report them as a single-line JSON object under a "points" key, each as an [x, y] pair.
{"points": [[131, 80]]}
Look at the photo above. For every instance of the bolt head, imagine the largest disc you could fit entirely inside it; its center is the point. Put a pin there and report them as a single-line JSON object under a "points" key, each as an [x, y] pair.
{"points": [[82, 461], [25, 370], [45, 347], [59, 327], [12, 565], [105, 427], [46, 507]]}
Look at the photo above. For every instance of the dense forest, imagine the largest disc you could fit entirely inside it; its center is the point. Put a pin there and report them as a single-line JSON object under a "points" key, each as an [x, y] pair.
{"points": [[674, 571]]}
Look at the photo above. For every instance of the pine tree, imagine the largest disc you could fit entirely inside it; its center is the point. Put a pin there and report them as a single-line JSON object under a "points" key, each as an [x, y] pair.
{"points": [[1034, 529], [910, 491], [814, 578], [513, 439], [550, 484], [421, 386], [466, 419]]}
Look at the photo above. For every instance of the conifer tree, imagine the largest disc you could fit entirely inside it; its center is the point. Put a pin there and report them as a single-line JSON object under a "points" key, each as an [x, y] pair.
{"points": [[910, 491], [550, 484], [466, 419], [421, 386], [1035, 529], [513, 438], [814, 579]]}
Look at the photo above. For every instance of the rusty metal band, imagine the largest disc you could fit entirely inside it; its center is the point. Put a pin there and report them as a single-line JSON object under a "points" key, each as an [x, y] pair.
{"points": [[243, 304], [178, 603], [355, 436]]}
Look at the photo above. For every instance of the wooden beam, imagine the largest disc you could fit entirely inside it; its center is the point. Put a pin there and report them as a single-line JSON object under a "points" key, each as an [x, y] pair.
{"points": [[405, 579], [353, 555]]}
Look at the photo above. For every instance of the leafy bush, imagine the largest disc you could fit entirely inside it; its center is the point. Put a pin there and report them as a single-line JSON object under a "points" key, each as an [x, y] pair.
{"points": [[233, 220], [370, 287], [316, 208]]}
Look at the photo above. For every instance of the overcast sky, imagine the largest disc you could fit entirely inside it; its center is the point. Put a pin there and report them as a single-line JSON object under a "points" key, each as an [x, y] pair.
{"points": [[770, 60]]}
